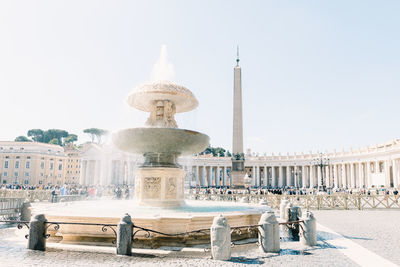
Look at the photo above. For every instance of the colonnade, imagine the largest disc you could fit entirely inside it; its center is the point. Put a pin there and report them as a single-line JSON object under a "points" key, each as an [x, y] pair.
{"points": [[212, 175], [353, 174]]}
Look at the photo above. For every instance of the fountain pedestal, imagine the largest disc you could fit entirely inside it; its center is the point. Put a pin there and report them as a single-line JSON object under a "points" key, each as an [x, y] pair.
{"points": [[160, 187]]}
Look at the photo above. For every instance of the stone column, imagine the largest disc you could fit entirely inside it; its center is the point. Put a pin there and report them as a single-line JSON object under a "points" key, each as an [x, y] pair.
{"points": [[224, 176], [288, 176], [255, 174], [311, 176], [203, 175], [368, 178], [295, 176], [218, 176], [395, 174], [280, 176], [352, 182], [335, 174], [360, 175], [197, 176], [344, 183], [328, 176], [303, 176], [387, 173], [274, 180], [319, 173], [210, 176]]}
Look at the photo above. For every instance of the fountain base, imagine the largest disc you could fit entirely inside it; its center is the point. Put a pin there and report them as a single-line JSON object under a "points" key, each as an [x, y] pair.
{"points": [[160, 187]]}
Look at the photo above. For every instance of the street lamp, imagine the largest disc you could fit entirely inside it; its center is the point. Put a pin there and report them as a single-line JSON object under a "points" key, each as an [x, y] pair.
{"points": [[296, 173], [321, 162]]}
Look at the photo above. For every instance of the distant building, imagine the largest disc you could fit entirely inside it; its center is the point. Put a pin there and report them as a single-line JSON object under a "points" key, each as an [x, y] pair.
{"points": [[73, 164], [32, 163]]}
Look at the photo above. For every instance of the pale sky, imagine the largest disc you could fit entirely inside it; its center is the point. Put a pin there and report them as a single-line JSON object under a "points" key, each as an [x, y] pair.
{"points": [[316, 74]]}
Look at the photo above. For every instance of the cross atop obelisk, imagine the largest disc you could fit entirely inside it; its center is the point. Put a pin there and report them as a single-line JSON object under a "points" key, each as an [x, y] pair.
{"points": [[237, 146]]}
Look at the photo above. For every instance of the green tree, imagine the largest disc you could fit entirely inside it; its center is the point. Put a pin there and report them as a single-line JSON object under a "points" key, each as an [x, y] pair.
{"points": [[215, 151], [36, 134], [22, 138], [95, 133], [54, 141], [51, 134], [71, 138]]}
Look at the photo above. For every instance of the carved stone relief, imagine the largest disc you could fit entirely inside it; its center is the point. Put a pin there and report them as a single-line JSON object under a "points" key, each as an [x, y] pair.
{"points": [[171, 188], [152, 187]]}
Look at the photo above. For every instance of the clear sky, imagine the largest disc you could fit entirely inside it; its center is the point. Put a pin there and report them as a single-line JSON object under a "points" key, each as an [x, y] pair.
{"points": [[316, 74]]}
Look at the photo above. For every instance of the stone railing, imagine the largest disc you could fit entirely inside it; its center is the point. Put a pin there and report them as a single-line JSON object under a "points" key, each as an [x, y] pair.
{"points": [[311, 202], [38, 195], [11, 207]]}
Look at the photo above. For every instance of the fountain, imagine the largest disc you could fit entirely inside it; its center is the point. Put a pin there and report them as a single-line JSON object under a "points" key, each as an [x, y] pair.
{"points": [[160, 180], [159, 183]]}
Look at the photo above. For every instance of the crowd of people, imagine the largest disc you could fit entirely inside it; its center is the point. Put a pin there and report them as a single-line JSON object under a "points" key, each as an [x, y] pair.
{"points": [[124, 191], [294, 191], [96, 191]]}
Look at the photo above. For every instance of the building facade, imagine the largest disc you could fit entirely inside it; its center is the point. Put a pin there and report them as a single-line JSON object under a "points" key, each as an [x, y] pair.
{"points": [[73, 165], [372, 166], [32, 163]]}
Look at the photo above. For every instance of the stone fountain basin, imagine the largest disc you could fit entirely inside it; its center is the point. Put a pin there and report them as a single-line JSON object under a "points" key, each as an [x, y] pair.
{"points": [[160, 140], [193, 216]]}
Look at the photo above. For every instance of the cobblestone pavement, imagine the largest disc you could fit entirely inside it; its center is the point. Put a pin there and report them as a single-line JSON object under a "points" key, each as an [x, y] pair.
{"points": [[13, 253], [376, 230]]}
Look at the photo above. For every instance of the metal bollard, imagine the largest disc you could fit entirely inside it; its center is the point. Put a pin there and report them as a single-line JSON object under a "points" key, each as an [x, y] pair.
{"points": [[124, 236], [309, 236], [268, 235], [220, 236], [37, 233], [294, 215]]}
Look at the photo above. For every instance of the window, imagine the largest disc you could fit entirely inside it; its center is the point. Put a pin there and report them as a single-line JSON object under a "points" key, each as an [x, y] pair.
{"points": [[28, 165], [17, 164], [59, 167], [40, 182], [26, 181], [27, 174], [6, 165], [42, 165], [28, 157], [5, 174], [41, 174], [16, 174], [4, 181], [51, 165], [59, 176]]}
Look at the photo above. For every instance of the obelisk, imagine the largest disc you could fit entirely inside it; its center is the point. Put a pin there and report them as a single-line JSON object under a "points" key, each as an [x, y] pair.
{"points": [[238, 171]]}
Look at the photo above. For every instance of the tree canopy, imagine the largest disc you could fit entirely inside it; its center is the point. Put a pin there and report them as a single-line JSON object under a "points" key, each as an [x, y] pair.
{"points": [[95, 133], [71, 138], [22, 138], [215, 151], [51, 136]]}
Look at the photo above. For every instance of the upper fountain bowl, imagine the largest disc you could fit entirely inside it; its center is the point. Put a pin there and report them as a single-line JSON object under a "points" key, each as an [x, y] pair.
{"points": [[161, 140], [144, 96]]}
